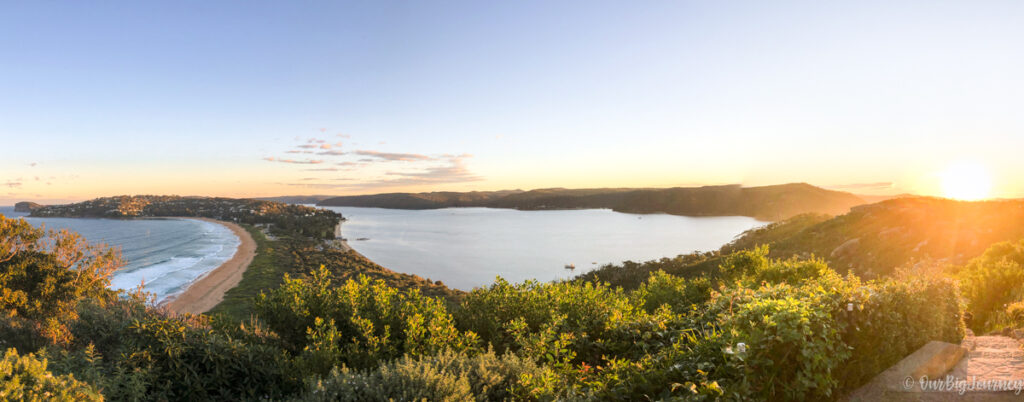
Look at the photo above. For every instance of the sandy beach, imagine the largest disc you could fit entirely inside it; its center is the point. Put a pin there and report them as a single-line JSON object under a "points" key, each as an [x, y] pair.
{"points": [[206, 292]]}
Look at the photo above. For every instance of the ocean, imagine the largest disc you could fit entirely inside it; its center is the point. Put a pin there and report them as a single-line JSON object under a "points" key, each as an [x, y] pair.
{"points": [[469, 247], [164, 254]]}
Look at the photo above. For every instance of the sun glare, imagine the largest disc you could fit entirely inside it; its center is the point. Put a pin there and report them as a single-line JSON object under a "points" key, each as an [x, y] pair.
{"points": [[966, 181]]}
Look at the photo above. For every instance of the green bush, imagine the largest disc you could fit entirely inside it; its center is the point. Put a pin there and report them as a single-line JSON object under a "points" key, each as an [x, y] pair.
{"points": [[992, 281], [792, 348], [693, 367], [447, 376], [43, 277], [359, 323], [680, 294], [1015, 314], [25, 378], [587, 313], [139, 353], [187, 362], [807, 311], [630, 275]]}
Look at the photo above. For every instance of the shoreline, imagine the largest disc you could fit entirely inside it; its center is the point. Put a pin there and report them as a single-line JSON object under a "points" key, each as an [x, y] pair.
{"points": [[208, 290]]}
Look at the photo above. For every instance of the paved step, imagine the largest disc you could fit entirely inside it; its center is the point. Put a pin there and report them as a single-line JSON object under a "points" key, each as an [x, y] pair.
{"points": [[988, 358]]}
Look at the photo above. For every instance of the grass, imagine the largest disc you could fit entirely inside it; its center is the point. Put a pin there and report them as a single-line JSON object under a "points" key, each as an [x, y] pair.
{"points": [[266, 272]]}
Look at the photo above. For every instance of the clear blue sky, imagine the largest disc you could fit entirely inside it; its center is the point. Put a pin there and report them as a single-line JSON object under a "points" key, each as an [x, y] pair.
{"points": [[216, 98]]}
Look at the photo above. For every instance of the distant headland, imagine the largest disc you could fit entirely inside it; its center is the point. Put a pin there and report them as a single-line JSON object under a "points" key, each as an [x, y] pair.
{"points": [[26, 206], [308, 221], [775, 202]]}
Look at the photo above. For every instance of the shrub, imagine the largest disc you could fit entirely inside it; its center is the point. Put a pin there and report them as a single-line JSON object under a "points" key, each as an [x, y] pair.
{"points": [[447, 376], [991, 281], [25, 378], [43, 277], [359, 323], [630, 275], [115, 382], [744, 263], [792, 348], [1015, 314], [693, 367], [142, 354], [798, 335], [185, 361], [503, 314], [893, 318], [679, 293]]}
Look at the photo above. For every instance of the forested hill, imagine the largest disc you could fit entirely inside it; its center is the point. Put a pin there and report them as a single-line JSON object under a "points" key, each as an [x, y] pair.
{"points": [[309, 221], [296, 199], [767, 202], [434, 200], [874, 239]]}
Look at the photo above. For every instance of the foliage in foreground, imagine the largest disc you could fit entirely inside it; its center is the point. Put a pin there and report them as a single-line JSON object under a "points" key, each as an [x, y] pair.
{"points": [[993, 285], [753, 328], [25, 378], [357, 323], [447, 376]]}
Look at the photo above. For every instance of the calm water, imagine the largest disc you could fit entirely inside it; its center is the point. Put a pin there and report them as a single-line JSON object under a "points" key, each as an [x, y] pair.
{"points": [[167, 254], [469, 247]]}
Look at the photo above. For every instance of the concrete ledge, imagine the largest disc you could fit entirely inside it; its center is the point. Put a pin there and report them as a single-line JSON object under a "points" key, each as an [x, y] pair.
{"points": [[933, 360]]}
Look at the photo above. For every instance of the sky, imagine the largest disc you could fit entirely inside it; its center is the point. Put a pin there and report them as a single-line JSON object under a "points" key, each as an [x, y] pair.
{"points": [[250, 98]]}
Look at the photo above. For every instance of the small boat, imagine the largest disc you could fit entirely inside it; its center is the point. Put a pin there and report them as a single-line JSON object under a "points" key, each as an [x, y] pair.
{"points": [[570, 266]]}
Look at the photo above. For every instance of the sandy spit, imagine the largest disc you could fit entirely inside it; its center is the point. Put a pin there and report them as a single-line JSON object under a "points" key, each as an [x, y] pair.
{"points": [[208, 291]]}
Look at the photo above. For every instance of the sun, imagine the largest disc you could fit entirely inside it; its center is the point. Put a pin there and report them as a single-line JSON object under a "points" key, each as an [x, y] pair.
{"points": [[966, 181]]}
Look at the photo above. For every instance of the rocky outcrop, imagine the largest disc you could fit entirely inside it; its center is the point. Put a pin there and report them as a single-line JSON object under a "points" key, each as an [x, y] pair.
{"points": [[26, 206]]}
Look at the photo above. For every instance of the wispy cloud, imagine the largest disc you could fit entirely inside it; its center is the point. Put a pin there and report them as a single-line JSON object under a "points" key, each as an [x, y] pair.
{"points": [[333, 152], [300, 162], [365, 167], [13, 184], [391, 156], [455, 171]]}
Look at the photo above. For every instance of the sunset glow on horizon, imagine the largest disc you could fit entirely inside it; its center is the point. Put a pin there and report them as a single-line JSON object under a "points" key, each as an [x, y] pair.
{"points": [[339, 98], [966, 181]]}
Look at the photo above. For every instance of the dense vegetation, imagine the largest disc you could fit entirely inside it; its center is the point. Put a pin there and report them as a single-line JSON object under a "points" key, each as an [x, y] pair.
{"points": [[728, 333], [874, 240], [300, 256], [282, 218], [768, 202], [993, 285]]}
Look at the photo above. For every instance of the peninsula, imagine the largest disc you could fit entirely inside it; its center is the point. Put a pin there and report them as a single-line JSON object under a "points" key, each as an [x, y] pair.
{"points": [[277, 216]]}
